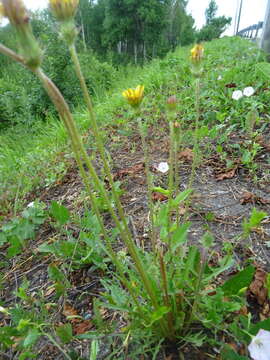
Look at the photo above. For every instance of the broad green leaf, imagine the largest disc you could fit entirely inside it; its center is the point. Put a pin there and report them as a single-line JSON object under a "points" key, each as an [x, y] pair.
{"points": [[181, 197], [161, 190], [230, 354], [65, 333], [158, 314], [94, 350], [265, 325], [238, 281], [264, 69], [31, 337], [59, 212], [179, 236]]}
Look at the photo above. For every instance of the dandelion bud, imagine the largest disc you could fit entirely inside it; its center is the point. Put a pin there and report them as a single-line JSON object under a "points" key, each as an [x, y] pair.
{"points": [[15, 11], [17, 14], [171, 103], [64, 10]]}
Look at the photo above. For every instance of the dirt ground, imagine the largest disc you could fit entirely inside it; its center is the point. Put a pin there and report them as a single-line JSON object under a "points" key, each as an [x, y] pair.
{"points": [[221, 201]]}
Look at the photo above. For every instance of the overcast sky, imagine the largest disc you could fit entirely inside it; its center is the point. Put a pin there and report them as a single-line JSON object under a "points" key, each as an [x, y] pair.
{"points": [[252, 11]]}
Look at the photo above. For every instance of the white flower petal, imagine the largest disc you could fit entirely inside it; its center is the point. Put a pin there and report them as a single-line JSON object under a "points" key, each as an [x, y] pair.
{"points": [[31, 204], [163, 167], [237, 94], [259, 348], [219, 77], [248, 91]]}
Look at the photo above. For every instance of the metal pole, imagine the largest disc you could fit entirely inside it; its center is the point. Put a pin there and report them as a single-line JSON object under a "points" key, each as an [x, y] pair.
{"points": [[265, 41], [239, 16], [235, 17]]}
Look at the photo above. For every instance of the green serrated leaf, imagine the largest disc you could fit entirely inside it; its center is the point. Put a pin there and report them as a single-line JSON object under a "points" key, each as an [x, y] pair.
{"points": [[31, 337], [59, 212], [181, 197], [65, 333], [238, 281]]}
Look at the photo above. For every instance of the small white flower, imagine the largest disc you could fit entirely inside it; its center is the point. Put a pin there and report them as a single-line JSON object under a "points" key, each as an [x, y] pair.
{"points": [[219, 77], [248, 91], [259, 348], [237, 94], [31, 204], [163, 167]]}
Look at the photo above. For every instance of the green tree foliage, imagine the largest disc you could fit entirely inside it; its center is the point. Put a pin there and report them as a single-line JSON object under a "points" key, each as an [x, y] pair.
{"points": [[214, 26]]}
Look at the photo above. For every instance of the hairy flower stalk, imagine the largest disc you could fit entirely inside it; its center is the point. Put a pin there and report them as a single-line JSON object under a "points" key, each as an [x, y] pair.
{"points": [[171, 105], [64, 11], [17, 14], [134, 97], [197, 69]]}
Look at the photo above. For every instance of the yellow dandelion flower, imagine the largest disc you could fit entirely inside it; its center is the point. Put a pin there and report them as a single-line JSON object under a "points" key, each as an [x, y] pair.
{"points": [[64, 10], [197, 53], [134, 97]]}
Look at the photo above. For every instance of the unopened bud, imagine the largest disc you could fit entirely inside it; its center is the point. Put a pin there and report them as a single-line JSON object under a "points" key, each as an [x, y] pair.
{"points": [[176, 125], [171, 103], [64, 10], [15, 11], [17, 14]]}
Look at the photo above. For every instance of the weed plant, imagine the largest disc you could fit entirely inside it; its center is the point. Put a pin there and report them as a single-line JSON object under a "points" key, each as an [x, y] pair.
{"points": [[170, 293]]}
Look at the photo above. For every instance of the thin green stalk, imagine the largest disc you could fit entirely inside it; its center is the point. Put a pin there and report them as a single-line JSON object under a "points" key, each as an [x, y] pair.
{"points": [[177, 131], [149, 184], [97, 136], [196, 291], [166, 296], [171, 174], [55, 343], [196, 137]]}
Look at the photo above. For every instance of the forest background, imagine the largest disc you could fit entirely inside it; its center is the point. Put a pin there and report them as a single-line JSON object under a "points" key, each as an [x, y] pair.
{"points": [[113, 34]]}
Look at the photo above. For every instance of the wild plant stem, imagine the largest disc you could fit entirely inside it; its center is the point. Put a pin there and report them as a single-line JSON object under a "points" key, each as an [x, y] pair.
{"points": [[63, 109], [171, 174], [96, 132], [55, 343], [196, 135], [166, 295], [149, 183], [176, 167]]}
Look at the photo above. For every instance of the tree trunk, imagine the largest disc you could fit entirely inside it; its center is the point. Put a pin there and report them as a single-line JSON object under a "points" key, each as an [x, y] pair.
{"points": [[135, 53]]}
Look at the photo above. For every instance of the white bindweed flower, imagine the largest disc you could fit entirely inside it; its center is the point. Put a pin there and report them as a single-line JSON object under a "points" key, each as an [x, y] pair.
{"points": [[31, 204], [248, 91], [237, 94], [259, 348], [163, 167], [219, 77]]}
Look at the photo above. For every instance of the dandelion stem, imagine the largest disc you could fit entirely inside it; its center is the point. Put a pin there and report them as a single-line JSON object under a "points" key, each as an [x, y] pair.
{"points": [[149, 183]]}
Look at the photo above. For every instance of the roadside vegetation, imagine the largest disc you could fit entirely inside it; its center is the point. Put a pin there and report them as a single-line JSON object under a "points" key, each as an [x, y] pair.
{"points": [[136, 225]]}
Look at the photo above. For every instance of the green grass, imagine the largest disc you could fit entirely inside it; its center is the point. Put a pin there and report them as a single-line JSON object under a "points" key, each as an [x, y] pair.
{"points": [[37, 156]]}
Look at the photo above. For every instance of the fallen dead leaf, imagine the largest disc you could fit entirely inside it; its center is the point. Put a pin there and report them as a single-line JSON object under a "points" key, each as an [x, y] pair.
{"points": [[257, 288], [71, 314], [120, 174], [227, 175], [186, 155], [82, 327], [249, 197], [156, 196], [230, 85]]}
